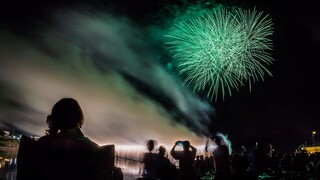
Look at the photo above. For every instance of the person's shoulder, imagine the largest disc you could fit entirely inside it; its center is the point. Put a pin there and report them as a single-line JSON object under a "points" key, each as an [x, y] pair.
{"points": [[84, 143], [89, 142], [48, 142], [46, 138], [150, 155], [226, 147]]}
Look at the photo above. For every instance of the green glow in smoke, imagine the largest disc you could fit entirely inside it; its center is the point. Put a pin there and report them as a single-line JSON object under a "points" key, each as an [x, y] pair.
{"points": [[220, 50]]}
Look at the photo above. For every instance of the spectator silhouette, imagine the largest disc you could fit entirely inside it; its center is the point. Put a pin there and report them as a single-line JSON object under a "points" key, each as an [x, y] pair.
{"points": [[221, 160], [66, 146], [259, 159], [285, 162], [200, 166], [167, 170], [197, 167], [186, 158], [150, 161], [203, 166], [240, 165], [64, 123]]}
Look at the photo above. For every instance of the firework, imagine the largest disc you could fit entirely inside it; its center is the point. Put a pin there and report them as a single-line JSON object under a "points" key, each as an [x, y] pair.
{"points": [[220, 50]]}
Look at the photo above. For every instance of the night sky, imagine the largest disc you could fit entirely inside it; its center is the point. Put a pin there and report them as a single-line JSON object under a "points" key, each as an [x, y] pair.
{"points": [[282, 110]]}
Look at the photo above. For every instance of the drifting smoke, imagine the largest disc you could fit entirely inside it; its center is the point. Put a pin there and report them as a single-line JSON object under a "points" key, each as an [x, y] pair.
{"points": [[105, 63]]}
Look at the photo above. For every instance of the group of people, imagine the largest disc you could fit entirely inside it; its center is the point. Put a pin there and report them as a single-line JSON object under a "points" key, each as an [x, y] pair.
{"points": [[64, 140], [158, 166]]}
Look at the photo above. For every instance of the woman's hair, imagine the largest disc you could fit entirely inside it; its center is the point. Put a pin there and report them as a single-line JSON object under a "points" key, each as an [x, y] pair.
{"points": [[65, 114]]}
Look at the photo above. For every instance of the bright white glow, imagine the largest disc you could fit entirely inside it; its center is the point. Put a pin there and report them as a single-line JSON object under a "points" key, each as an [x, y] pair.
{"points": [[129, 157]]}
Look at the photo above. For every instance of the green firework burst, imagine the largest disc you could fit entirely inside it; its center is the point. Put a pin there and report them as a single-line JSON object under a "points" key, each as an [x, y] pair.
{"points": [[220, 50]]}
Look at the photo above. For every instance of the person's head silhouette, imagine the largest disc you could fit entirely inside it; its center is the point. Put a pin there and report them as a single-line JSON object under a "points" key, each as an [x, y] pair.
{"points": [[162, 151], [186, 145], [217, 140], [151, 144], [66, 114]]}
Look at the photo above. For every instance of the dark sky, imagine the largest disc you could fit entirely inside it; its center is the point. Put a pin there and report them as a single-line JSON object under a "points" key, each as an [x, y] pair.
{"points": [[282, 110]]}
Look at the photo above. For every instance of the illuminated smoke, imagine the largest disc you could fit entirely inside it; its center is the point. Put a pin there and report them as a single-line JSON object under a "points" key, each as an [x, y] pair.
{"points": [[106, 64]]}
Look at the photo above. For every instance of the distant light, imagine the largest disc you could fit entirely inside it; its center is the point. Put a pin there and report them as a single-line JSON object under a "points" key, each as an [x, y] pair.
{"points": [[314, 132]]}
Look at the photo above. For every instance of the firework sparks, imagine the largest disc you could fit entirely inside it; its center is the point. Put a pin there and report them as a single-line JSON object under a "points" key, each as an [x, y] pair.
{"points": [[220, 50]]}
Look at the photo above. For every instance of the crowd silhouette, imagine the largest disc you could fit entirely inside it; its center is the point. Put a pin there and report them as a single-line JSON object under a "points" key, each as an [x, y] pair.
{"points": [[261, 161], [83, 159], [157, 165]]}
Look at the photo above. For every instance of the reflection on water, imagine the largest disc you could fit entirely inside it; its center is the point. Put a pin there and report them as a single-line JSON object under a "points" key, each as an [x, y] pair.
{"points": [[129, 158], [8, 164]]}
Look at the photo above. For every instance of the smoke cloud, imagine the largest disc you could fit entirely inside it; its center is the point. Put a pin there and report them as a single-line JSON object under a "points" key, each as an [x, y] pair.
{"points": [[105, 63]]}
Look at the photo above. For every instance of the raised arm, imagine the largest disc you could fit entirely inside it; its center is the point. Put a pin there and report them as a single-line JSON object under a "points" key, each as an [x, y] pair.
{"points": [[173, 152], [193, 150]]}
